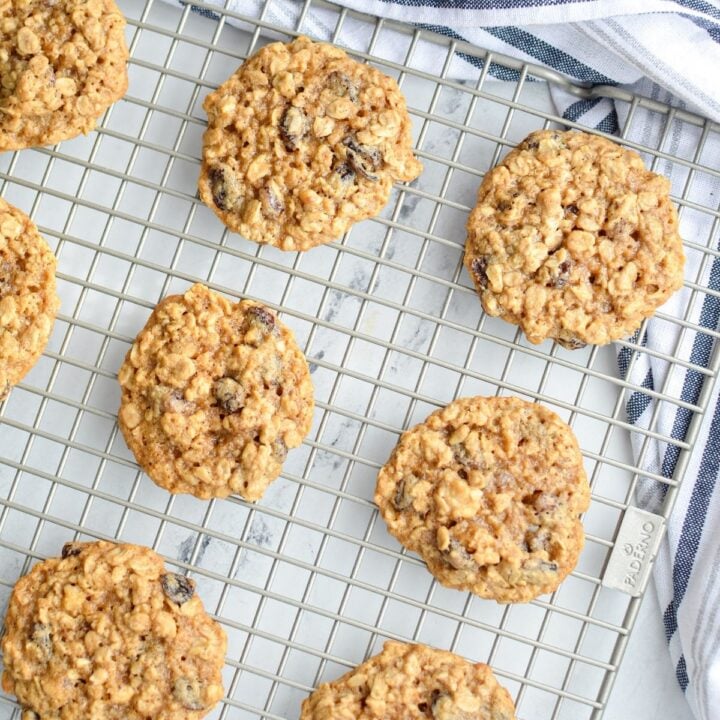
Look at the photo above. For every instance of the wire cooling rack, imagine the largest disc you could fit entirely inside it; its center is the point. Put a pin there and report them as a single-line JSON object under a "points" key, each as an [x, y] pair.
{"points": [[307, 583]]}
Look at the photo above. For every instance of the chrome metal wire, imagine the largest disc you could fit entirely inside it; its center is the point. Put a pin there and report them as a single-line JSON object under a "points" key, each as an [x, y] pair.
{"points": [[307, 583]]}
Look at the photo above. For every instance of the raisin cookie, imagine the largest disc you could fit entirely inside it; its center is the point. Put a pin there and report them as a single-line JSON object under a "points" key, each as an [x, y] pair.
{"points": [[62, 64], [408, 682], [213, 395], [573, 239], [488, 491], [106, 632], [28, 300], [302, 142]]}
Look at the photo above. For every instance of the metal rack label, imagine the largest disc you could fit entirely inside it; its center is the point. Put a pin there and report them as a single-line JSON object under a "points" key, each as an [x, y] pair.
{"points": [[636, 545]]}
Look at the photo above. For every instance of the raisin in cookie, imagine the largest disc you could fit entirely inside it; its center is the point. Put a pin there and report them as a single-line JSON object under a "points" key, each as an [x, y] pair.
{"points": [[408, 682], [106, 632], [302, 142], [488, 491], [62, 64], [573, 239], [28, 301], [213, 395]]}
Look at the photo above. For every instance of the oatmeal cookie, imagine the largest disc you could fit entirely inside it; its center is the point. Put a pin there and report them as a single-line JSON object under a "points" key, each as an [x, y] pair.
{"points": [[408, 682], [62, 64], [573, 239], [105, 632], [28, 301], [213, 395], [488, 491], [302, 142]]}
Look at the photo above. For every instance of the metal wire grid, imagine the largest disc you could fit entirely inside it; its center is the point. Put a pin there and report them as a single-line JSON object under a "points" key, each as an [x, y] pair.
{"points": [[307, 583]]}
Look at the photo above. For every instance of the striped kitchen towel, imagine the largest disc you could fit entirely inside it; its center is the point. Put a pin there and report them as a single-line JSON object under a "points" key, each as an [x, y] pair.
{"points": [[668, 50]]}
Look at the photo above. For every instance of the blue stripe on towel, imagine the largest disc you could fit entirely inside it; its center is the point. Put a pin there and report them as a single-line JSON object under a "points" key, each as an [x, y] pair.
{"points": [[702, 347], [574, 111], [498, 71], [693, 524], [639, 401], [712, 28], [700, 6], [205, 12], [707, 473], [609, 124], [547, 54], [623, 359], [681, 674], [627, 351]]}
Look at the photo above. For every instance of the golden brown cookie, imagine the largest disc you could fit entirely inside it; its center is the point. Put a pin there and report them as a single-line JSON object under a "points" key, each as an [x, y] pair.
{"points": [[573, 239], [28, 300], [62, 64], [488, 491], [213, 395], [302, 142], [412, 682], [106, 632]]}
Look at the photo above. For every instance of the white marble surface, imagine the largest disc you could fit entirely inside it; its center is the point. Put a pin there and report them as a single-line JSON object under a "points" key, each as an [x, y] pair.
{"points": [[283, 602]]}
